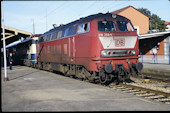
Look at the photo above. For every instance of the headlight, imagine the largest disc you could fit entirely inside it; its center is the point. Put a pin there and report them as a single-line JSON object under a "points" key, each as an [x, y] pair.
{"points": [[106, 53], [103, 53], [133, 52], [117, 53]]}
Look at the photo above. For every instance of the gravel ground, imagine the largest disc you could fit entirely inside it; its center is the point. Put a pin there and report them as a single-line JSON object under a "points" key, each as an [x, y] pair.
{"points": [[152, 84]]}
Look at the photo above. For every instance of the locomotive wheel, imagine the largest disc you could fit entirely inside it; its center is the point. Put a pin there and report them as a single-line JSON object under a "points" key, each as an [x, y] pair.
{"points": [[103, 77], [121, 75], [133, 71], [39, 66], [66, 71], [49, 67]]}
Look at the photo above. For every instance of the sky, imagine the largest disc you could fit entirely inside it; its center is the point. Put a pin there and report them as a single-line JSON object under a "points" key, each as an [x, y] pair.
{"points": [[22, 14]]}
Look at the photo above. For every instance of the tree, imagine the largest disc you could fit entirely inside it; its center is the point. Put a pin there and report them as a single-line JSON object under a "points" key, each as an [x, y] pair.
{"points": [[155, 21], [145, 11]]}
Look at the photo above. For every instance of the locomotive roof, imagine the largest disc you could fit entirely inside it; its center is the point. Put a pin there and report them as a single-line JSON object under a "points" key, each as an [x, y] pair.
{"points": [[85, 19]]}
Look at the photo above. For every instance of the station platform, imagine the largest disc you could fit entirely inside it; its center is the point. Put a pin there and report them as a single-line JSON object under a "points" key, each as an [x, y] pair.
{"points": [[156, 69], [31, 89]]}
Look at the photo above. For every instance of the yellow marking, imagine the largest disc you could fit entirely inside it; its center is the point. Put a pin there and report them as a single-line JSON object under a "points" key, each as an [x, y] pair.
{"points": [[112, 62], [146, 80]]}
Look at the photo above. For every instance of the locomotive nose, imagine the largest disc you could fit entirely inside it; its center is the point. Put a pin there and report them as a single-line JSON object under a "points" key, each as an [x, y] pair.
{"points": [[108, 68]]}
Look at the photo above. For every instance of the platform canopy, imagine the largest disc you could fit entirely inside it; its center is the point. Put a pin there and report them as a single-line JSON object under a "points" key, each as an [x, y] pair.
{"points": [[12, 35], [152, 35]]}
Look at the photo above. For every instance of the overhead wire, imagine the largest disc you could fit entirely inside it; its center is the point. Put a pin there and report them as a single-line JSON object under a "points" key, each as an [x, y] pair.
{"points": [[42, 18], [31, 19], [100, 10], [115, 5], [84, 10], [78, 15], [52, 11], [55, 13], [88, 8]]}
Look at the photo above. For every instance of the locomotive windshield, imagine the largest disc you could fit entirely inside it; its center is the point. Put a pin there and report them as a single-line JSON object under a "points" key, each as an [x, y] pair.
{"points": [[106, 26], [124, 26]]}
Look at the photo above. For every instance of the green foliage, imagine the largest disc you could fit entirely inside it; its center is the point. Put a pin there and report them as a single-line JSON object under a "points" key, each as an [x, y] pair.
{"points": [[155, 21], [145, 11]]}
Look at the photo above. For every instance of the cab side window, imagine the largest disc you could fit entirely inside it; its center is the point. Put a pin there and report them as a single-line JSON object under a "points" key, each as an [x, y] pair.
{"points": [[84, 28], [59, 34], [41, 39], [48, 37], [54, 36], [66, 32], [73, 30]]}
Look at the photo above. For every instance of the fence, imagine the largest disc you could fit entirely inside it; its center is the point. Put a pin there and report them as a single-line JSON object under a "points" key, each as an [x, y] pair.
{"points": [[162, 59]]}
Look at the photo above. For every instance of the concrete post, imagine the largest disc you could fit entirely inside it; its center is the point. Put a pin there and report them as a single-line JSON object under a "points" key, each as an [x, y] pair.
{"points": [[154, 58], [142, 58], [169, 59], [4, 46]]}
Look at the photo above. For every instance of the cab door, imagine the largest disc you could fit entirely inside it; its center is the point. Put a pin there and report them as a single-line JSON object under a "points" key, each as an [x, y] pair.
{"points": [[71, 49]]}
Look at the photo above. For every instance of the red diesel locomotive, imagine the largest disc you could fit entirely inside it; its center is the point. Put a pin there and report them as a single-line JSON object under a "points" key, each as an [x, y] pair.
{"points": [[100, 47]]}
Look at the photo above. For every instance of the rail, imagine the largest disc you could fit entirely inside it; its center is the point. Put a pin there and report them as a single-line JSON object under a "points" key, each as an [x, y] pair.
{"points": [[143, 92]]}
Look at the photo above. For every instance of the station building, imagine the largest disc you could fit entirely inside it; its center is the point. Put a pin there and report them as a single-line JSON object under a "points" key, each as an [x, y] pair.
{"points": [[138, 19], [147, 43], [167, 26]]}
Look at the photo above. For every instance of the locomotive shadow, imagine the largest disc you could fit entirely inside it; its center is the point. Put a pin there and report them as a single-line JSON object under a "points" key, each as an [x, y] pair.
{"points": [[129, 80], [114, 79], [62, 74], [58, 72]]}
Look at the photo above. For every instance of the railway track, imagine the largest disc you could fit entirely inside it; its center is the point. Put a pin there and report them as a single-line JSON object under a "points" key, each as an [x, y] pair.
{"points": [[143, 92], [158, 77], [165, 77], [155, 95]]}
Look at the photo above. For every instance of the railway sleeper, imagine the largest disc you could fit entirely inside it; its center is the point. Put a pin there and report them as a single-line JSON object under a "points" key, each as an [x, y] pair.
{"points": [[139, 92], [163, 99], [160, 98], [146, 94], [155, 96], [166, 101], [131, 91]]}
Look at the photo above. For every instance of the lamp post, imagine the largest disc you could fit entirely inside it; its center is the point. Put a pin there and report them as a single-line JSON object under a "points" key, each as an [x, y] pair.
{"points": [[4, 45], [33, 27]]}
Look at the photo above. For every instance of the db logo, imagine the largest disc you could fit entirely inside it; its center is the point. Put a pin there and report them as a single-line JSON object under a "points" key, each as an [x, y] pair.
{"points": [[119, 42]]}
